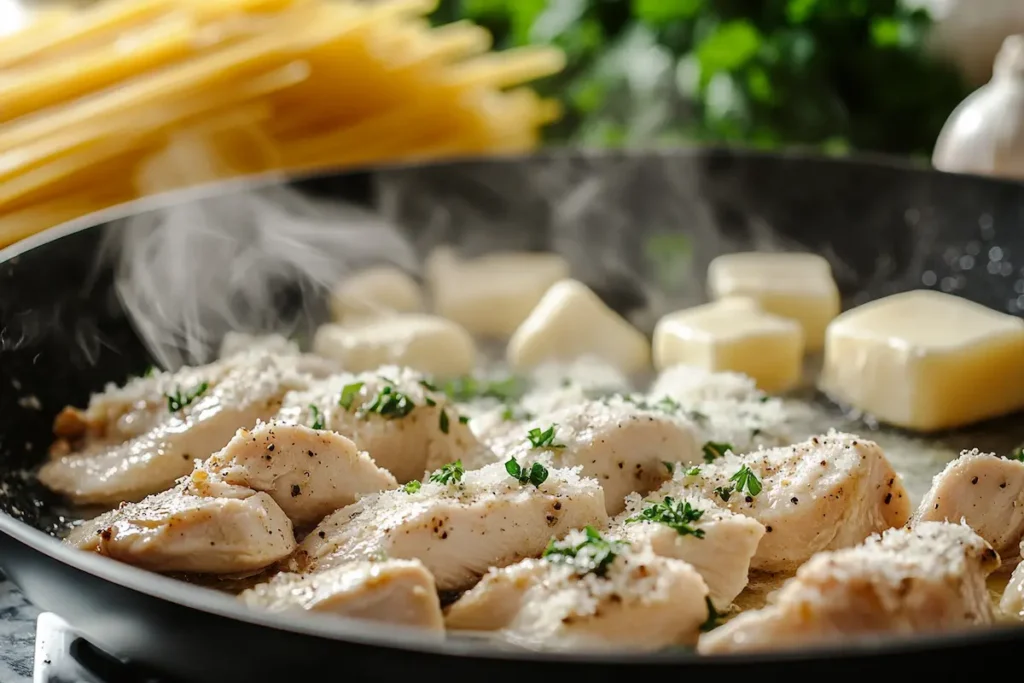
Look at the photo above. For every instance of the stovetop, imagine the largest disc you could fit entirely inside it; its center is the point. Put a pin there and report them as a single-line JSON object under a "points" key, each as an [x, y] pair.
{"points": [[61, 656]]}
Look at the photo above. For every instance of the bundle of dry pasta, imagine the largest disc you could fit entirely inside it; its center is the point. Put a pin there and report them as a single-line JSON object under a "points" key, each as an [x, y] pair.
{"points": [[131, 97]]}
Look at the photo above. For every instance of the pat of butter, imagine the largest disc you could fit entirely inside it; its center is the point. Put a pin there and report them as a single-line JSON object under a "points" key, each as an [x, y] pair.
{"points": [[376, 291], [926, 361], [492, 295], [796, 286], [571, 322], [732, 336], [423, 342]]}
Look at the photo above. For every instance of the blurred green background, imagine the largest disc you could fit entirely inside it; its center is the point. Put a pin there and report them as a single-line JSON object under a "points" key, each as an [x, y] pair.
{"points": [[834, 75]]}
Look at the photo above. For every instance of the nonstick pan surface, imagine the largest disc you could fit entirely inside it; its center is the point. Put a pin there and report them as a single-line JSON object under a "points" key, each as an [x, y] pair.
{"points": [[618, 218]]}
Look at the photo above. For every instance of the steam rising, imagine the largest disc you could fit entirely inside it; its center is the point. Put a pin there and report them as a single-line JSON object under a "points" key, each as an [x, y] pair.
{"points": [[256, 263]]}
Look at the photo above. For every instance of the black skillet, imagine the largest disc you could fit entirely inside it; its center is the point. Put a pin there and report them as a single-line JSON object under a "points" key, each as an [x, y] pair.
{"points": [[884, 227]]}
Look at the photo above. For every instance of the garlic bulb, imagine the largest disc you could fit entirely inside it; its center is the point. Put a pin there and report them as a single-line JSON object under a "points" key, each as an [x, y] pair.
{"points": [[985, 133]]}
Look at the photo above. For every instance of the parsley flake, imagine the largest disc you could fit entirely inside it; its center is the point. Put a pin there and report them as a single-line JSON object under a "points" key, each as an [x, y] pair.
{"points": [[670, 466], [413, 486], [713, 617], [318, 419], [463, 420], [693, 471], [724, 492], [713, 450], [469, 388], [515, 414], [543, 439], [177, 400], [442, 421], [593, 555], [449, 474], [1017, 454], [746, 479], [678, 515], [390, 403], [536, 474], [349, 393]]}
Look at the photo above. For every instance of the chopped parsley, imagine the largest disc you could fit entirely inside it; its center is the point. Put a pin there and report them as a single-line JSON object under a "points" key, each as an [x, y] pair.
{"points": [[698, 417], [318, 419], [468, 388], [593, 555], [428, 385], [413, 486], [543, 439], [177, 400], [746, 479], [515, 414], [463, 420], [448, 474], [390, 403], [714, 450], [693, 471], [442, 421], [724, 492], [536, 474], [678, 515], [670, 466], [1017, 454], [348, 394], [713, 616], [151, 371]]}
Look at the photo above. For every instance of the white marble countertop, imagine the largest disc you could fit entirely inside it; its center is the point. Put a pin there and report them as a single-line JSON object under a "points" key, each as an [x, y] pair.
{"points": [[17, 635]]}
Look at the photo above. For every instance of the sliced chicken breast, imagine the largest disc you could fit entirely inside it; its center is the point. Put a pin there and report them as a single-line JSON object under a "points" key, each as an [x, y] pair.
{"points": [[825, 493], [392, 591], [1012, 602], [175, 531], [927, 579], [310, 473], [717, 542], [196, 420], [623, 445], [394, 414], [459, 526], [590, 593], [985, 491]]}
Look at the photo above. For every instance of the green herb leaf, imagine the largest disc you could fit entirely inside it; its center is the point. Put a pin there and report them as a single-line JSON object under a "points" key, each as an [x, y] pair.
{"points": [[536, 475], [349, 393], [429, 386], [449, 474], [693, 471], [678, 515], [515, 414], [177, 400], [746, 479], [670, 466], [463, 420], [724, 492], [390, 403], [151, 371], [713, 450], [1017, 454], [442, 421], [593, 555], [413, 486], [318, 419], [468, 388], [713, 616], [543, 439]]}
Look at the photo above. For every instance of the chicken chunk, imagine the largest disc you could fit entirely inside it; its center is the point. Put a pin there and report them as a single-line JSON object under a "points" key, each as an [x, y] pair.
{"points": [[927, 579], [985, 491], [393, 413], [392, 591], [621, 444], [825, 493], [1012, 601], [717, 542], [588, 592], [310, 473], [195, 421], [176, 531], [459, 524]]}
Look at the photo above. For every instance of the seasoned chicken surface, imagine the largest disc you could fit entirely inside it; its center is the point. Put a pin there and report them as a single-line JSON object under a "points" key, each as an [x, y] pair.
{"points": [[926, 579], [458, 524], [623, 445], [195, 418], [310, 473], [986, 492], [714, 540], [588, 592], [825, 493], [394, 414], [176, 531], [393, 591]]}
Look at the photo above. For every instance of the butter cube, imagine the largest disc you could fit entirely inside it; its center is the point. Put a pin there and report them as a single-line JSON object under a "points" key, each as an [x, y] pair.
{"points": [[796, 286], [373, 292], [491, 295], [423, 342], [572, 322], [732, 336], [926, 361]]}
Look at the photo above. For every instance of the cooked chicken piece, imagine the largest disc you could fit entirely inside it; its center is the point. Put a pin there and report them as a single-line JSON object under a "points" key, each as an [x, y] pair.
{"points": [[589, 593], [825, 493], [176, 531], [309, 473], [392, 413], [717, 542], [927, 579], [394, 591], [624, 445], [985, 491], [1012, 602], [196, 420], [458, 527]]}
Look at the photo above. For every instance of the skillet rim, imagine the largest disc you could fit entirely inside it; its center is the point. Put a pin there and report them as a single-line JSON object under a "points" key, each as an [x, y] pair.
{"points": [[211, 601]]}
